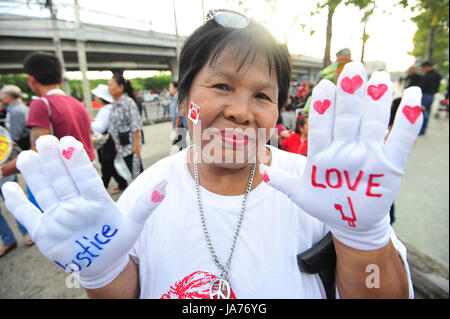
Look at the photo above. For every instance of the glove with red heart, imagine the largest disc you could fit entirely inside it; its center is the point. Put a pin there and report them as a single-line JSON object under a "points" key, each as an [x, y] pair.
{"points": [[82, 229], [351, 175]]}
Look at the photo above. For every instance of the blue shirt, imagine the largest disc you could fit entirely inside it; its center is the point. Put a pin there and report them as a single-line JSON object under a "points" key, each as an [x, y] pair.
{"points": [[175, 113]]}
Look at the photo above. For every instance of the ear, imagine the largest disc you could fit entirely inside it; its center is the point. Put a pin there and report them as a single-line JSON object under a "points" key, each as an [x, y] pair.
{"points": [[30, 78], [31, 81]]}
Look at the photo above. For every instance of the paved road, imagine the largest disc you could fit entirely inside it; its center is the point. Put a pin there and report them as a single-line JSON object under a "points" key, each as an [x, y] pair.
{"points": [[422, 203], [422, 208]]}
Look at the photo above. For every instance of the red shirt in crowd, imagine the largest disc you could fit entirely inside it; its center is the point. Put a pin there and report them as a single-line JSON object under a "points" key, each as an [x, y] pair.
{"points": [[293, 144], [68, 116]]}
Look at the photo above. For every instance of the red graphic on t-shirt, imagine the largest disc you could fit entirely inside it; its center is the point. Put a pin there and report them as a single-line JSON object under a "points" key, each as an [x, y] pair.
{"points": [[193, 286]]}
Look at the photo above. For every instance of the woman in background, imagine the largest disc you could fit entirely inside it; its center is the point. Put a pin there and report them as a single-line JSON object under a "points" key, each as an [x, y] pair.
{"points": [[297, 142], [125, 122], [107, 152]]}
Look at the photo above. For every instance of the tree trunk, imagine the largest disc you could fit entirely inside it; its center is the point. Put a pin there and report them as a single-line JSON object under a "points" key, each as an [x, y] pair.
{"points": [[364, 38], [326, 58]]}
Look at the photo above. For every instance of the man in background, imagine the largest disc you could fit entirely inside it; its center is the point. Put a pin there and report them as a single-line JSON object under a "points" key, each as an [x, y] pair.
{"points": [[15, 120], [179, 123], [413, 78], [430, 86], [333, 71], [17, 115], [55, 112]]}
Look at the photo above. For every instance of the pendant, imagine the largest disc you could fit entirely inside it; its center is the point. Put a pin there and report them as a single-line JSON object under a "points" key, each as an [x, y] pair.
{"points": [[219, 289]]}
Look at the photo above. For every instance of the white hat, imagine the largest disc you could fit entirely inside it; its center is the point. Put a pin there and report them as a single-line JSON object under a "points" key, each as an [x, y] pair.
{"points": [[13, 90], [102, 92]]}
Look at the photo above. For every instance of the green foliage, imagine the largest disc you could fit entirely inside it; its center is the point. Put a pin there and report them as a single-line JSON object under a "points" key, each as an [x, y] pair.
{"points": [[432, 31], [17, 79], [440, 44], [155, 83]]}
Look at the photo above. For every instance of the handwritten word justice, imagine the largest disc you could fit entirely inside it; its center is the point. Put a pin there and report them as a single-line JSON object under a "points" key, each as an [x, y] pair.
{"points": [[88, 252], [337, 182]]}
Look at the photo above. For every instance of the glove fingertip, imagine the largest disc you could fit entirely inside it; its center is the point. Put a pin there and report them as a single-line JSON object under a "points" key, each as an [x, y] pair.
{"points": [[149, 201]]}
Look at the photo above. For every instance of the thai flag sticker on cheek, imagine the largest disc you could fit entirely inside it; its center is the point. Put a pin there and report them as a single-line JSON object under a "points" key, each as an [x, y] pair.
{"points": [[194, 112]]}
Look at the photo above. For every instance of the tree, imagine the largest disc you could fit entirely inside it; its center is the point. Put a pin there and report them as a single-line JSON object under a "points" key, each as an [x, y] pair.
{"points": [[331, 5], [431, 38], [369, 7]]}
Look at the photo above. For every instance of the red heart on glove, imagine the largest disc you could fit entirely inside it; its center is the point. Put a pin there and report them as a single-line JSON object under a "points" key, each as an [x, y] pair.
{"points": [[412, 113], [376, 92], [321, 106], [351, 85], [68, 153], [157, 197]]}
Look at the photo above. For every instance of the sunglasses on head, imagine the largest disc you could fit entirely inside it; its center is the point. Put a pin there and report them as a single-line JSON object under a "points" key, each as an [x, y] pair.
{"points": [[235, 20]]}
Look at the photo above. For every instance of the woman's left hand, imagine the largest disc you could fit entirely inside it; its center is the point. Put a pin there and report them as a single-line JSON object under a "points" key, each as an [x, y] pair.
{"points": [[137, 150], [351, 176]]}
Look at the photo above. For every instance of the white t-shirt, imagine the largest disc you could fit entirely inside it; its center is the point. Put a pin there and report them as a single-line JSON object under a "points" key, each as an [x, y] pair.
{"points": [[101, 121], [173, 256]]}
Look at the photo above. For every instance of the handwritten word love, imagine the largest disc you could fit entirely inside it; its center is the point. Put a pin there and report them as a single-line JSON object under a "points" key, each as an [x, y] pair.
{"points": [[333, 179], [86, 255]]}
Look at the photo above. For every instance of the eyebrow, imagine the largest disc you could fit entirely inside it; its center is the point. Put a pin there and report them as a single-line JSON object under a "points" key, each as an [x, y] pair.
{"points": [[232, 75]]}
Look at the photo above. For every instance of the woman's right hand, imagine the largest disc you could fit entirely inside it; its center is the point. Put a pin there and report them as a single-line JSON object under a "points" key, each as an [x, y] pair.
{"points": [[81, 229]]}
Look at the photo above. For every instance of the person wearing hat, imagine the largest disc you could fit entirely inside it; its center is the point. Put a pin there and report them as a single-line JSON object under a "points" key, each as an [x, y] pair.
{"points": [[107, 152], [16, 117], [333, 71]]}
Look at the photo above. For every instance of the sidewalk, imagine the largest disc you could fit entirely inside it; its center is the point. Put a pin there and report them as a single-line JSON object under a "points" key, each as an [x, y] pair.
{"points": [[422, 203]]}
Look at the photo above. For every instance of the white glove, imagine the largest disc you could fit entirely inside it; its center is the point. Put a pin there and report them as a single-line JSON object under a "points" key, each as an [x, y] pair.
{"points": [[81, 229], [351, 175]]}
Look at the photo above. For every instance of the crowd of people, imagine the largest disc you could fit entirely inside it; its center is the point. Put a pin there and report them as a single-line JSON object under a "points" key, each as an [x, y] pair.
{"points": [[211, 76], [115, 133]]}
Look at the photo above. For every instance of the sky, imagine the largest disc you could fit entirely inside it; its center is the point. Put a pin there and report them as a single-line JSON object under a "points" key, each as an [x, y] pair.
{"points": [[391, 32]]}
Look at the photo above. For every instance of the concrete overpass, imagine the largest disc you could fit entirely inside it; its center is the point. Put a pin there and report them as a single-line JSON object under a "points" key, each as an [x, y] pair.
{"points": [[107, 47]]}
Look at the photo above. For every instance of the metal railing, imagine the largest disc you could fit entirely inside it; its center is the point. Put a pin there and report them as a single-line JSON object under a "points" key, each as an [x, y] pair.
{"points": [[153, 112]]}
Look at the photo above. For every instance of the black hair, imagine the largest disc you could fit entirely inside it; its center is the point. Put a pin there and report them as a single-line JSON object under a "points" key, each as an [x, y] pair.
{"points": [[175, 84], [427, 63], [280, 119], [300, 123], [104, 101], [44, 67], [211, 39], [127, 87]]}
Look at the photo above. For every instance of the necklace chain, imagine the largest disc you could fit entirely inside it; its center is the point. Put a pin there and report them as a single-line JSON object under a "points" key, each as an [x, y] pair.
{"points": [[225, 269]]}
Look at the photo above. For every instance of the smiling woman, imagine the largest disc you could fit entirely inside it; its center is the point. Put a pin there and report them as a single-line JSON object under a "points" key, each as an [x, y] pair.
{"points": [[232, 227]]}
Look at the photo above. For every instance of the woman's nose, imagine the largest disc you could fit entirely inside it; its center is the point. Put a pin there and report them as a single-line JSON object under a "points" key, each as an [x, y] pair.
{"points": [[239, 110]]}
